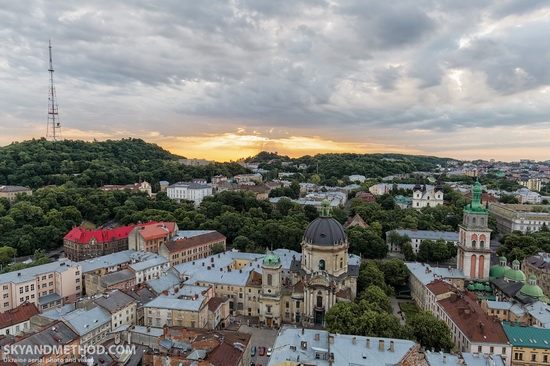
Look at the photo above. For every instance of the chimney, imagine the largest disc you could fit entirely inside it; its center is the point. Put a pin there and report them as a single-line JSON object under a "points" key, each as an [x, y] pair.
{"points": [[317, 336], [444, 359], [203, 264], [330, 339], [368, 342], [381, 345], [165, 331], [354, 340], [392, 346], [212, 260], [221, 269], [208, 268], [213, 265], [303, 331]]}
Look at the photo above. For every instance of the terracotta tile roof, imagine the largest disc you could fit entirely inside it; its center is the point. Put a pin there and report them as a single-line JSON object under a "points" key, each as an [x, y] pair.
{"points": [[472, 321], [156, 230], [182, 244], [18, 315], [439, 287]]}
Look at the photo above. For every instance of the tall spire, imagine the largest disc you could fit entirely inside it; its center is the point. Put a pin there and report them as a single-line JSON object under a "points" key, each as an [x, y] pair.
{"points": [[53, 130]]}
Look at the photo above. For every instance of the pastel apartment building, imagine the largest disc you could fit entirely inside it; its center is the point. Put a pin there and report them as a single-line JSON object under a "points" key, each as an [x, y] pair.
{"points": [[189, 245], [151, 235], [17, 320], [46, 286]]}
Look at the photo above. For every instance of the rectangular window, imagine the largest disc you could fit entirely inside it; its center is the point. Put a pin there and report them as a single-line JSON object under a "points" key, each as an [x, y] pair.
{"points": [[5, 287]]}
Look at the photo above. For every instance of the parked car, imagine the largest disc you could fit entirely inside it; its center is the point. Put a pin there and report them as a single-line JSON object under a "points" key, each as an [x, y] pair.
{"points": [[253, 351], [269, 352], [262, 351]]}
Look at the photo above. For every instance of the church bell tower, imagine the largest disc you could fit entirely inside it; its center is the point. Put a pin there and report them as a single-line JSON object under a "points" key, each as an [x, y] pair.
{"points": [[474, 252]]}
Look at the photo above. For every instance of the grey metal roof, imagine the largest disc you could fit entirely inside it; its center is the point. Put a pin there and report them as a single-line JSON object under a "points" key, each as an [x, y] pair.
{"points": [[441, 359], [164, 282], [13, 189], [85, 321], [426, 234], [478, 360], [541, 312], [163, 302], [190, 185], [49, 299], [117, 277], [57, 335], [57, 313], [154, 332], [149, 263], [182, 234], [114, 259], [29, 274], [427, 274], [346, 352], [114, 301]]}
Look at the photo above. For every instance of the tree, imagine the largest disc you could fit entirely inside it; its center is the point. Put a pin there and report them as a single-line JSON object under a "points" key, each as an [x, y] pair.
{"points": [[376, 298], [217, 248], [396, 273], [6, 255], [408, 252], [370, 274], [430, 332]]}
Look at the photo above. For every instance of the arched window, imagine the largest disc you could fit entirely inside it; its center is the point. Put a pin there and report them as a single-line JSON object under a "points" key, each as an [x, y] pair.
{"points": [[481, 244], [473, 243], [482, 221], [319, 300], [269, 280], [341, 263], [322, 265], [473, 220]]}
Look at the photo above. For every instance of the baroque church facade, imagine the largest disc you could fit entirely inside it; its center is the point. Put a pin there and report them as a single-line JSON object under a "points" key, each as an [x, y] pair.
{"points": [[324, 274]]}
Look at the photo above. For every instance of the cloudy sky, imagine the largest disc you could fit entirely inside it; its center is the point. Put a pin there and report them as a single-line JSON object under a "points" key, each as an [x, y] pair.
{"points": [[225, 79]]}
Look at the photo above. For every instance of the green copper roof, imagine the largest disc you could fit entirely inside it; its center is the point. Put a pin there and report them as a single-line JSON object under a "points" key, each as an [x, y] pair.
{"points": [[528, 337], [479, 287], [498, 271], [531, 288], [476, 206], [515, 275], [488, 288], [271, 259], [471, 286]]}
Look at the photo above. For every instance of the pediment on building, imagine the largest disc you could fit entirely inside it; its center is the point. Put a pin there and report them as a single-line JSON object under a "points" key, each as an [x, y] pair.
{"points": [[319, 279]]}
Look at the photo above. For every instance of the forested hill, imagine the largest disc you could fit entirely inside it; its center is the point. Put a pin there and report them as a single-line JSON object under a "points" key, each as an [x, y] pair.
{"points": [[339, 165], [36, 163]]}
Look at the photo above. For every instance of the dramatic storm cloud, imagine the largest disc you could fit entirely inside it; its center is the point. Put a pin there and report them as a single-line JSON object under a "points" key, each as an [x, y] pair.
{"points": [[223, 79]]}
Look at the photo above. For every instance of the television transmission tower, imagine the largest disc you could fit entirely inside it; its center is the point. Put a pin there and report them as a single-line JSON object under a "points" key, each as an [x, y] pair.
{"points": [[53, 131]]}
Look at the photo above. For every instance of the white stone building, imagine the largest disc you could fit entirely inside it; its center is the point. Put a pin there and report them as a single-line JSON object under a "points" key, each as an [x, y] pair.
{"points": [[189, 191]]}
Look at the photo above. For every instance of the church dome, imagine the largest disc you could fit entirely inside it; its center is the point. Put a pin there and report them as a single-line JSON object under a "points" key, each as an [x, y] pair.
{"points": [[325, 230], [515, 274], [532, 289], [271, 259], [499, 270]]}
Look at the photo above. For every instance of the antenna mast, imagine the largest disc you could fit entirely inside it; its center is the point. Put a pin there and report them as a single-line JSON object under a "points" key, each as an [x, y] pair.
{"points": [[53, 131]]}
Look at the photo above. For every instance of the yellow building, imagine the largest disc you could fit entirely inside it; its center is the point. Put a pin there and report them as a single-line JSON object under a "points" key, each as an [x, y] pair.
{"points": [[530, 345]]}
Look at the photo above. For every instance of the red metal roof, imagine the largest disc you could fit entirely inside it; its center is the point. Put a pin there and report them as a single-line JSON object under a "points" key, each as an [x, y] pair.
{"points": [[18, 315], [82, 236], [155, 230], [185, 243]]}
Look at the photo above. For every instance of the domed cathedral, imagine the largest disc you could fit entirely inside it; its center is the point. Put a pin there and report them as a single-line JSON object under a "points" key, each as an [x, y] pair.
{"points": [[474, 252], [325, 273]]}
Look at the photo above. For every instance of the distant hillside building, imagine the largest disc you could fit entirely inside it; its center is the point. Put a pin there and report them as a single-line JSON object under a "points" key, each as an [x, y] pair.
{"points": [[80, 244], [189, 191], [141, 186], [533, 184], [10, 192], [195, 162]]}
